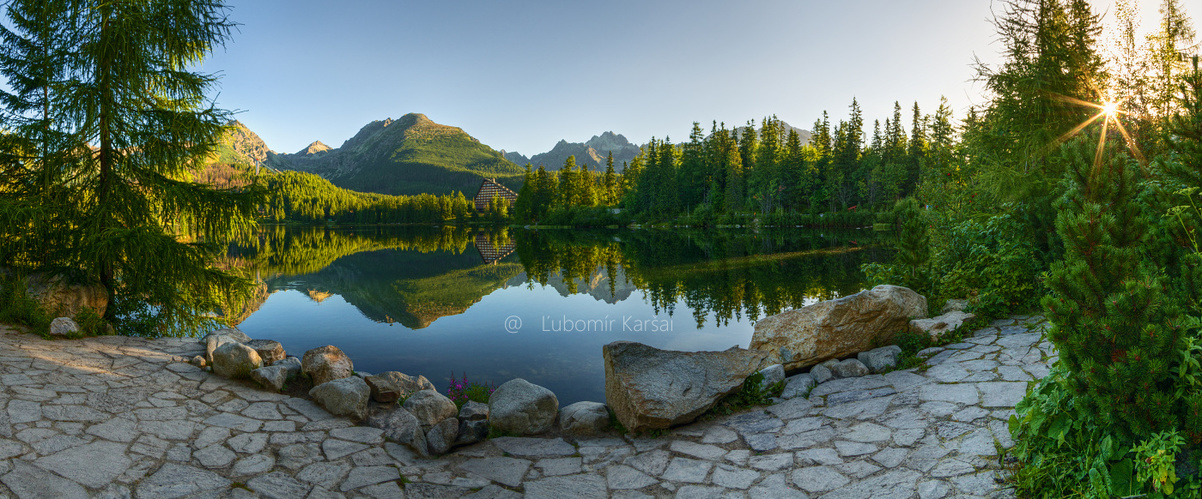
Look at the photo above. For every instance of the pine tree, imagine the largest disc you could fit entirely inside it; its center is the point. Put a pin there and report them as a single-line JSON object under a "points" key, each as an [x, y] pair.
{"points": [[146, 231], [1116, 327], [610, 185]]}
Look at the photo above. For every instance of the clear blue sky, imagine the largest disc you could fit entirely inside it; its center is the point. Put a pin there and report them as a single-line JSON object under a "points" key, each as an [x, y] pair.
{"points": [[521, 75]]}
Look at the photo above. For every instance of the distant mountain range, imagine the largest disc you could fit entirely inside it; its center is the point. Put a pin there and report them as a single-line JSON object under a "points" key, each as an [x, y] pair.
{"points": [[414, 155], [592, 153]]}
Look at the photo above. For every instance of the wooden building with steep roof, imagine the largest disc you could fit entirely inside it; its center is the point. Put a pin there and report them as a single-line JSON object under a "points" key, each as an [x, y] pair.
{"points": [[490, 189]]}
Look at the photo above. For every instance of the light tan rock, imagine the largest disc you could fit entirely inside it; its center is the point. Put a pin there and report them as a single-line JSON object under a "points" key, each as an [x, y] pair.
{"points": [[60, 297], [325, 364], [389, 386], [648, 388], [838, 328], [938, 326]]}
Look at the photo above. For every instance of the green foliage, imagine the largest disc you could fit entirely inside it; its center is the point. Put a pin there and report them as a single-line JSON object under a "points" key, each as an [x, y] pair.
{"points": [[90, 323], [308, 198], [462, 391], [17, 307], [990, 263], [753, 393]]}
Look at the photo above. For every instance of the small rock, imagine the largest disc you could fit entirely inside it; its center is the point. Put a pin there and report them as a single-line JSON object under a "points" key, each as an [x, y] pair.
{"points": [[343, 397], [292, 364], [473, 411], [270, 351], [849, 368], [389, 386], [773, 374], [430, 407], [938, 326], [471, 431], [442, 436], [880, 359], [328, 363], [584, 418], [212, 341], [271, 377], [522, 408], [235, 360], [234, 333], [63, 326], [798, 385], [821, 374], [403, 428], [954, 306], [198, 361]]}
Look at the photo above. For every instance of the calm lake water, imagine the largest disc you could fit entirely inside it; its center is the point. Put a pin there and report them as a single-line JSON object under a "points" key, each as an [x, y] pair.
{"points": [[537, 305]]}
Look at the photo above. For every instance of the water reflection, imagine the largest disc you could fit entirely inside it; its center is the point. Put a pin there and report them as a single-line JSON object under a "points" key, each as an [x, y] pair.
{"points": [[454, 288]]}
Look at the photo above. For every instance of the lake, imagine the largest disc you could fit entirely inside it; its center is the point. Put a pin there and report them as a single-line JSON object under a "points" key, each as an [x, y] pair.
{"points": [[502, 304]]}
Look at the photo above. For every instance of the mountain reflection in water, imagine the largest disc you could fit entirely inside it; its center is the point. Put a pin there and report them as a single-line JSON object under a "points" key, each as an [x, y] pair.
{"points": [[433, 301]]}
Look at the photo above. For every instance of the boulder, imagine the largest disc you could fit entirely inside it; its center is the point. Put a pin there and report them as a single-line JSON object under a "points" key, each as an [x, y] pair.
{"points": [[880, 359], [343, 397], [838, 328], [292, 364], [235, 360], [471, 431], [938, 326], [954, 306], [325, 364], [57, 295], [849, 368], [442, 436], [473, 411], [773, 374], [648, 388], [389, 386], [584, 418], [821, 373], [270, 377], [269, 350], [798, 385], [520, 407], [430, 407], [63, 326], [213, 341], [234, 333], [401, 427]]}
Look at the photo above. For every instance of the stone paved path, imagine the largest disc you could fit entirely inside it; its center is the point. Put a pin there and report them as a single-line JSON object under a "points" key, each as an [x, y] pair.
{"points": [[120, 417]]}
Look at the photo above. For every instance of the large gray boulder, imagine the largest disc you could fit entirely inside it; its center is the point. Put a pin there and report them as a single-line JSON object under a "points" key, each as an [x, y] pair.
{"points": [[648, 388], [520, 407], [235, 360], [325, 364], [389, 386], [943, 324], [584, 418], [838, 328], [430, 407], [343, 397], [401, 427], [270, 351]]}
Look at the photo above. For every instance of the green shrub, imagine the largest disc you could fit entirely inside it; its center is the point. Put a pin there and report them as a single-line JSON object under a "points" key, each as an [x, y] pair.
{"points": [[17, 307], [750, 395]]}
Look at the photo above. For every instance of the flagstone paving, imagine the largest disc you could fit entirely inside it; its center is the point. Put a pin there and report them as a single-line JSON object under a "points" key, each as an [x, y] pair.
{"points": [[124, 417]]}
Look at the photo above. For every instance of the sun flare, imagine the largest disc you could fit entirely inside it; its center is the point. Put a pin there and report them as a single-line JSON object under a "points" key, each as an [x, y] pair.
{"points": [[1110, 109]]}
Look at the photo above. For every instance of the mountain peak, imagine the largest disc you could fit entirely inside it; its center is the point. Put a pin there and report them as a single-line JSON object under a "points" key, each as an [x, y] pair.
{"points": [[316, 147]]}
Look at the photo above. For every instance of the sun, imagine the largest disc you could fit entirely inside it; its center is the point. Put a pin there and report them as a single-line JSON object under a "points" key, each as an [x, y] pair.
{"points": [[1110, 109]]}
